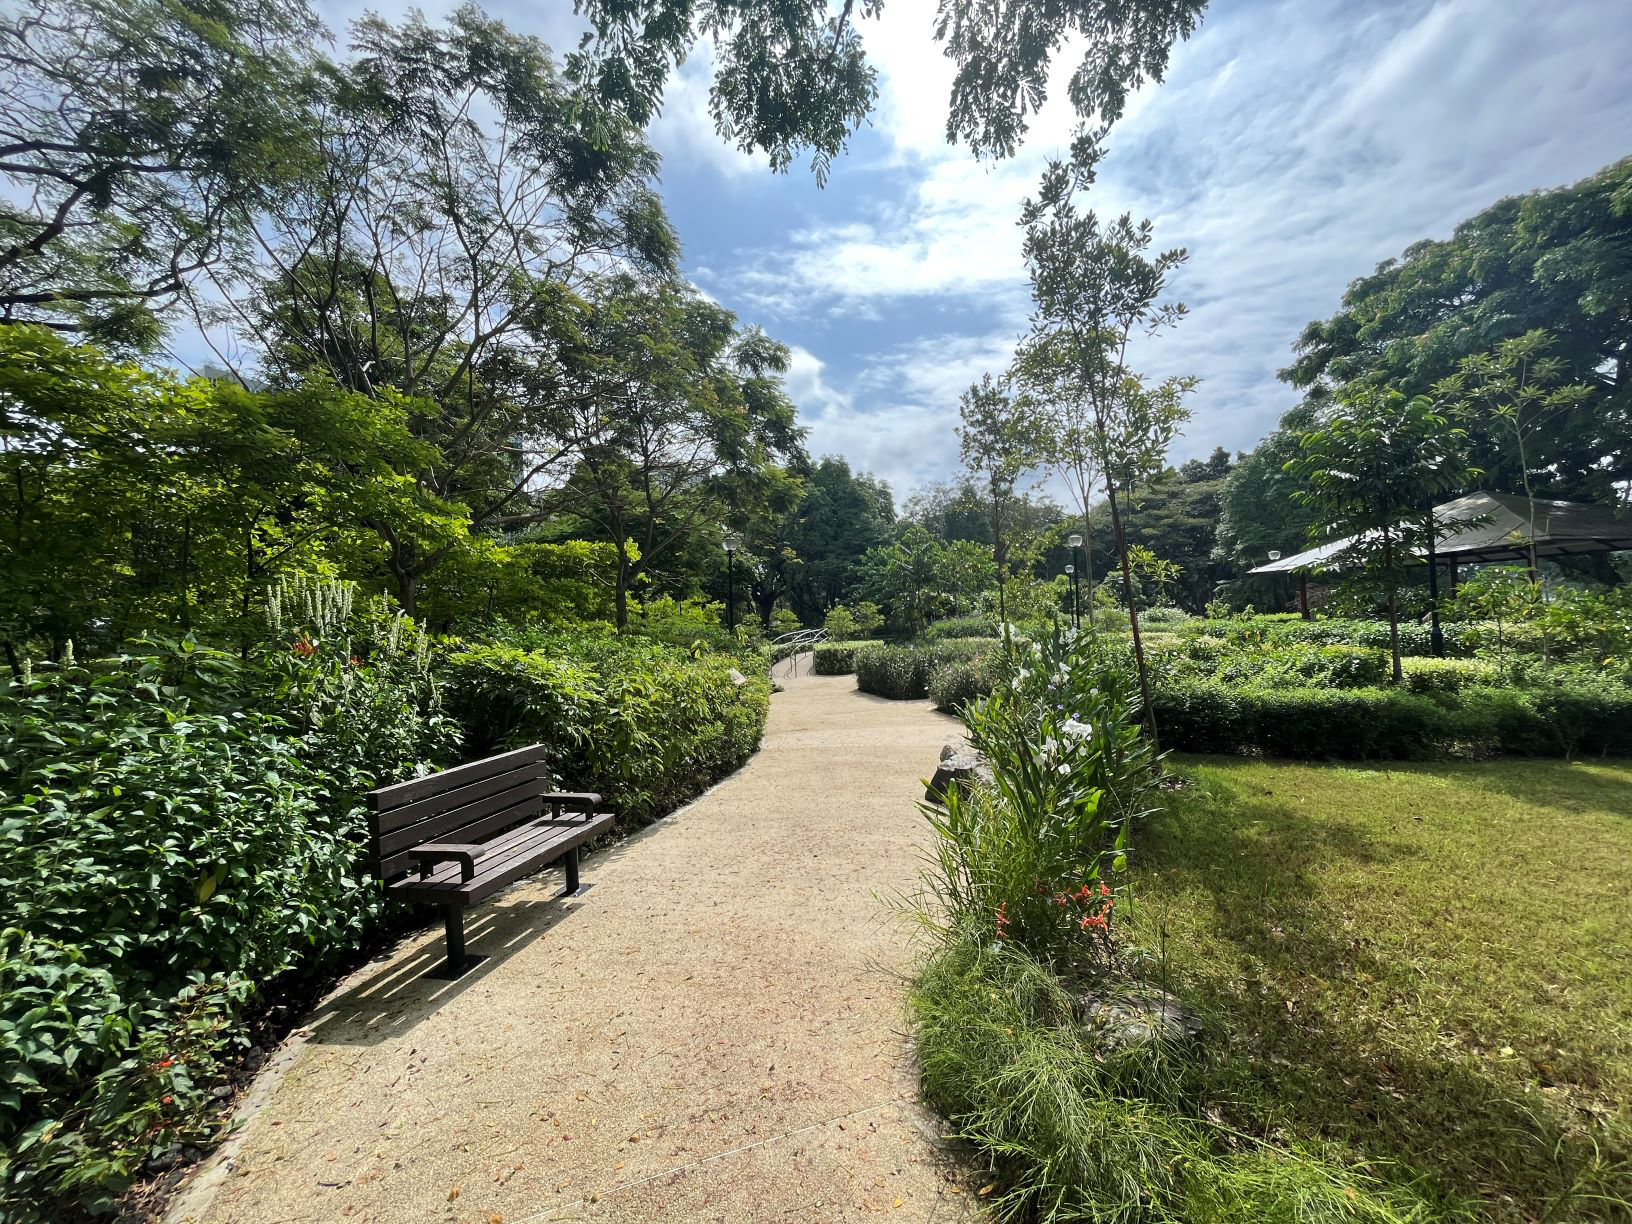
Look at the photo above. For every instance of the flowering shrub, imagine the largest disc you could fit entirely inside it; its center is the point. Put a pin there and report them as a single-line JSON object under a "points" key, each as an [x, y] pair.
{"points": [[1028, 856]]}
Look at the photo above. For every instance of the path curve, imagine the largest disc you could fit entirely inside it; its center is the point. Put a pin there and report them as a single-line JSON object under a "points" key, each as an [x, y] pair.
{"points": [[713, 1032]]}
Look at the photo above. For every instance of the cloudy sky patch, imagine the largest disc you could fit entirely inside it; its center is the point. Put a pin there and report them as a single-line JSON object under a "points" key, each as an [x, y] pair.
{"points": [[1294, 144]]}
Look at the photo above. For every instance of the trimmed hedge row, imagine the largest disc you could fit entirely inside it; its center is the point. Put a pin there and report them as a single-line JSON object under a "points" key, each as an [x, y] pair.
{"points": [[1207, 716], [902, 673], [839, 658], [1462, 638], [643, 723]]}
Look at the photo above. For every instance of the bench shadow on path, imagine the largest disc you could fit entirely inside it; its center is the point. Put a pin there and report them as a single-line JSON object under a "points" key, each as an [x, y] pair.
{"points": [[396, 995]]}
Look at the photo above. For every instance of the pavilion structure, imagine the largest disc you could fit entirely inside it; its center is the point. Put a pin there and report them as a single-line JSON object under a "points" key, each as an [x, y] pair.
{"points": [[1474, 529]]}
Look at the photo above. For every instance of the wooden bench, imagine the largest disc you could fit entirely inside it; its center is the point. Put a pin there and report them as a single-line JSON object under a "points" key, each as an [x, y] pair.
{"points": [[456, 837]]}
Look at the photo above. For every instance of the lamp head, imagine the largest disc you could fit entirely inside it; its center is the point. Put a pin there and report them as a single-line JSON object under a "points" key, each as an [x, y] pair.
{"points": [[1274, 554], [1070, 569], [731, 542], [1074, 539]]}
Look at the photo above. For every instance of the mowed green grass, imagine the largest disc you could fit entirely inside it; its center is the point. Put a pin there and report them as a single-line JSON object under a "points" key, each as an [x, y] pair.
{"points": [[1429, 964]]}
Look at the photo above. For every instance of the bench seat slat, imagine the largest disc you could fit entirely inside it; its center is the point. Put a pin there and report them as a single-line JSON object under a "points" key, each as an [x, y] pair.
{"points": [[507, 859], [529, 841]]}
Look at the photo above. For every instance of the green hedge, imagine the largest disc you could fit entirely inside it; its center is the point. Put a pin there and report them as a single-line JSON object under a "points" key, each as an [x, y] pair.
{"points": [[1448, 675], [645, 724], [902, 673], [1208, 716], [838, 658], [959, 627]]}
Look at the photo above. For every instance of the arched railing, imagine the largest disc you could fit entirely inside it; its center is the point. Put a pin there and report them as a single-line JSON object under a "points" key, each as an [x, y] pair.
{"points": [[792, 645]]}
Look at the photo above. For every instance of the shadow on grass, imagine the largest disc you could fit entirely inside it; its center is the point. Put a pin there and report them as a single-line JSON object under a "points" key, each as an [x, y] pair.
{"points": [[1319, 1035]]}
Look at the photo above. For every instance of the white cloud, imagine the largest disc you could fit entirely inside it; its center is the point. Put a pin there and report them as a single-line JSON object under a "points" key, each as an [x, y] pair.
{"points": [[1294, 146]]}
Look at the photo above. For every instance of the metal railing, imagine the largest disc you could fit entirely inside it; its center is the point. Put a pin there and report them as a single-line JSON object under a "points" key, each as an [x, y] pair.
{"points": [[795, 644]]}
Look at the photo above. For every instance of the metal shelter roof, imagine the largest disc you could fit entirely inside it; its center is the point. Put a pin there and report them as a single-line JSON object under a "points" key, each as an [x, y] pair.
{"points": [[1491, 527]]}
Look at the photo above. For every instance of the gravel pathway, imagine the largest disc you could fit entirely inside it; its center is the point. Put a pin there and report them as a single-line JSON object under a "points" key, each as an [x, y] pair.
{"points": [[713, 1032]]}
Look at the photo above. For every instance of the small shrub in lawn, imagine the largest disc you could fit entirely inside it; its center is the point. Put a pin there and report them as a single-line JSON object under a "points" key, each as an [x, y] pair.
{"points": [[1432, 675], [838, 658]]}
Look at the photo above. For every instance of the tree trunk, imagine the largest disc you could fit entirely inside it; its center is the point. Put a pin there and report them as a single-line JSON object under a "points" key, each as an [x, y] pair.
{"points": [[1086, 563], [1393, 611], [1133, 615], [621, 614]]}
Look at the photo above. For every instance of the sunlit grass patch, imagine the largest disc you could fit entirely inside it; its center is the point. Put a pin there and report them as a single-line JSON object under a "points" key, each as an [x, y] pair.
{"points": [[1428, 964]]}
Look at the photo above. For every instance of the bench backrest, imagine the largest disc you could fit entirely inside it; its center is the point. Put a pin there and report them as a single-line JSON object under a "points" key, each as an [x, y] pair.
{"points": [[468, 804]]}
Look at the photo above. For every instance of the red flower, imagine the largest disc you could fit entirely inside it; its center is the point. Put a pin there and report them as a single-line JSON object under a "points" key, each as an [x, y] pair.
{"points": [[163, 1063], [303, 646], [1003, 920], [169, 1100], [1103, 891]]}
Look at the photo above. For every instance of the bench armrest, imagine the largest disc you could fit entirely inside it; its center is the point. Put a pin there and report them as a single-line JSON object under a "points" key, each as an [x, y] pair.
{"points": [[462, 853], [580, 801]]}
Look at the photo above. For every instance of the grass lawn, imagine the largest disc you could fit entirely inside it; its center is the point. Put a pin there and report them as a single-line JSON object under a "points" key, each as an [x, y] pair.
{"points": [[1430, 964]]}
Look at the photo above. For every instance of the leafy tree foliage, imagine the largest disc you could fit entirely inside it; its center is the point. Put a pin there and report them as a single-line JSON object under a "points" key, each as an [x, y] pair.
{"points": [[132, 500], [840, 515], [677, 420], [1371, 468], [1560, 261], [794, 75], [1001, 442], [138, 140], [463, 196], [1093, 285]]}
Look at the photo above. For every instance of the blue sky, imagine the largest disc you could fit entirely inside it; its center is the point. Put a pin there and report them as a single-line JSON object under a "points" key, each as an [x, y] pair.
{"points": [[1294, 144]]}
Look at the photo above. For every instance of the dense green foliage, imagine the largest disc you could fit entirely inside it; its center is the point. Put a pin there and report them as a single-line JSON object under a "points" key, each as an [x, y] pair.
{"points": [[644, 724], [902, 673], [838, 658], [186, 828]]}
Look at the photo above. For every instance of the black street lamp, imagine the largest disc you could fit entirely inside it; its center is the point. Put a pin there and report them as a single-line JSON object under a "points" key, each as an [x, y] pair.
{"points": [[1075, 541], [731, 543]]}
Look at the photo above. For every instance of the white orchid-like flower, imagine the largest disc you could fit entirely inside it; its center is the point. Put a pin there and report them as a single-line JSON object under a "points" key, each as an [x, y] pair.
{"points": [[1081, 730]]}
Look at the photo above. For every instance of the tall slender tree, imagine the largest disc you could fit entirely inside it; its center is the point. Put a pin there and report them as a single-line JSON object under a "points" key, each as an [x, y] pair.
{"points": [[1001, 442], [1094, 287]]}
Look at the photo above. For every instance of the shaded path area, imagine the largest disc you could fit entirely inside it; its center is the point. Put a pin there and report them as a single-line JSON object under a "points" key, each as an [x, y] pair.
{"points": [[713, 1032]]}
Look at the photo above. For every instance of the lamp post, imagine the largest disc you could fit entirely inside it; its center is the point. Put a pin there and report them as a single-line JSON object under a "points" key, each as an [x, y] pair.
{"points": [[1275, 555], [1075, 541], [731, 543]]}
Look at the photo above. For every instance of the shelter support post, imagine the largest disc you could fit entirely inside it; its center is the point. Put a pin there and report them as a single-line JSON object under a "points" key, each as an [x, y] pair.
{"points": [[1303, 593]]}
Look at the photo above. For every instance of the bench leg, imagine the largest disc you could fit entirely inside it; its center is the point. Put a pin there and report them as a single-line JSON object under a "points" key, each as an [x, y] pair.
{"points": [[458, 963], [453, 921], [569, 866]]}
